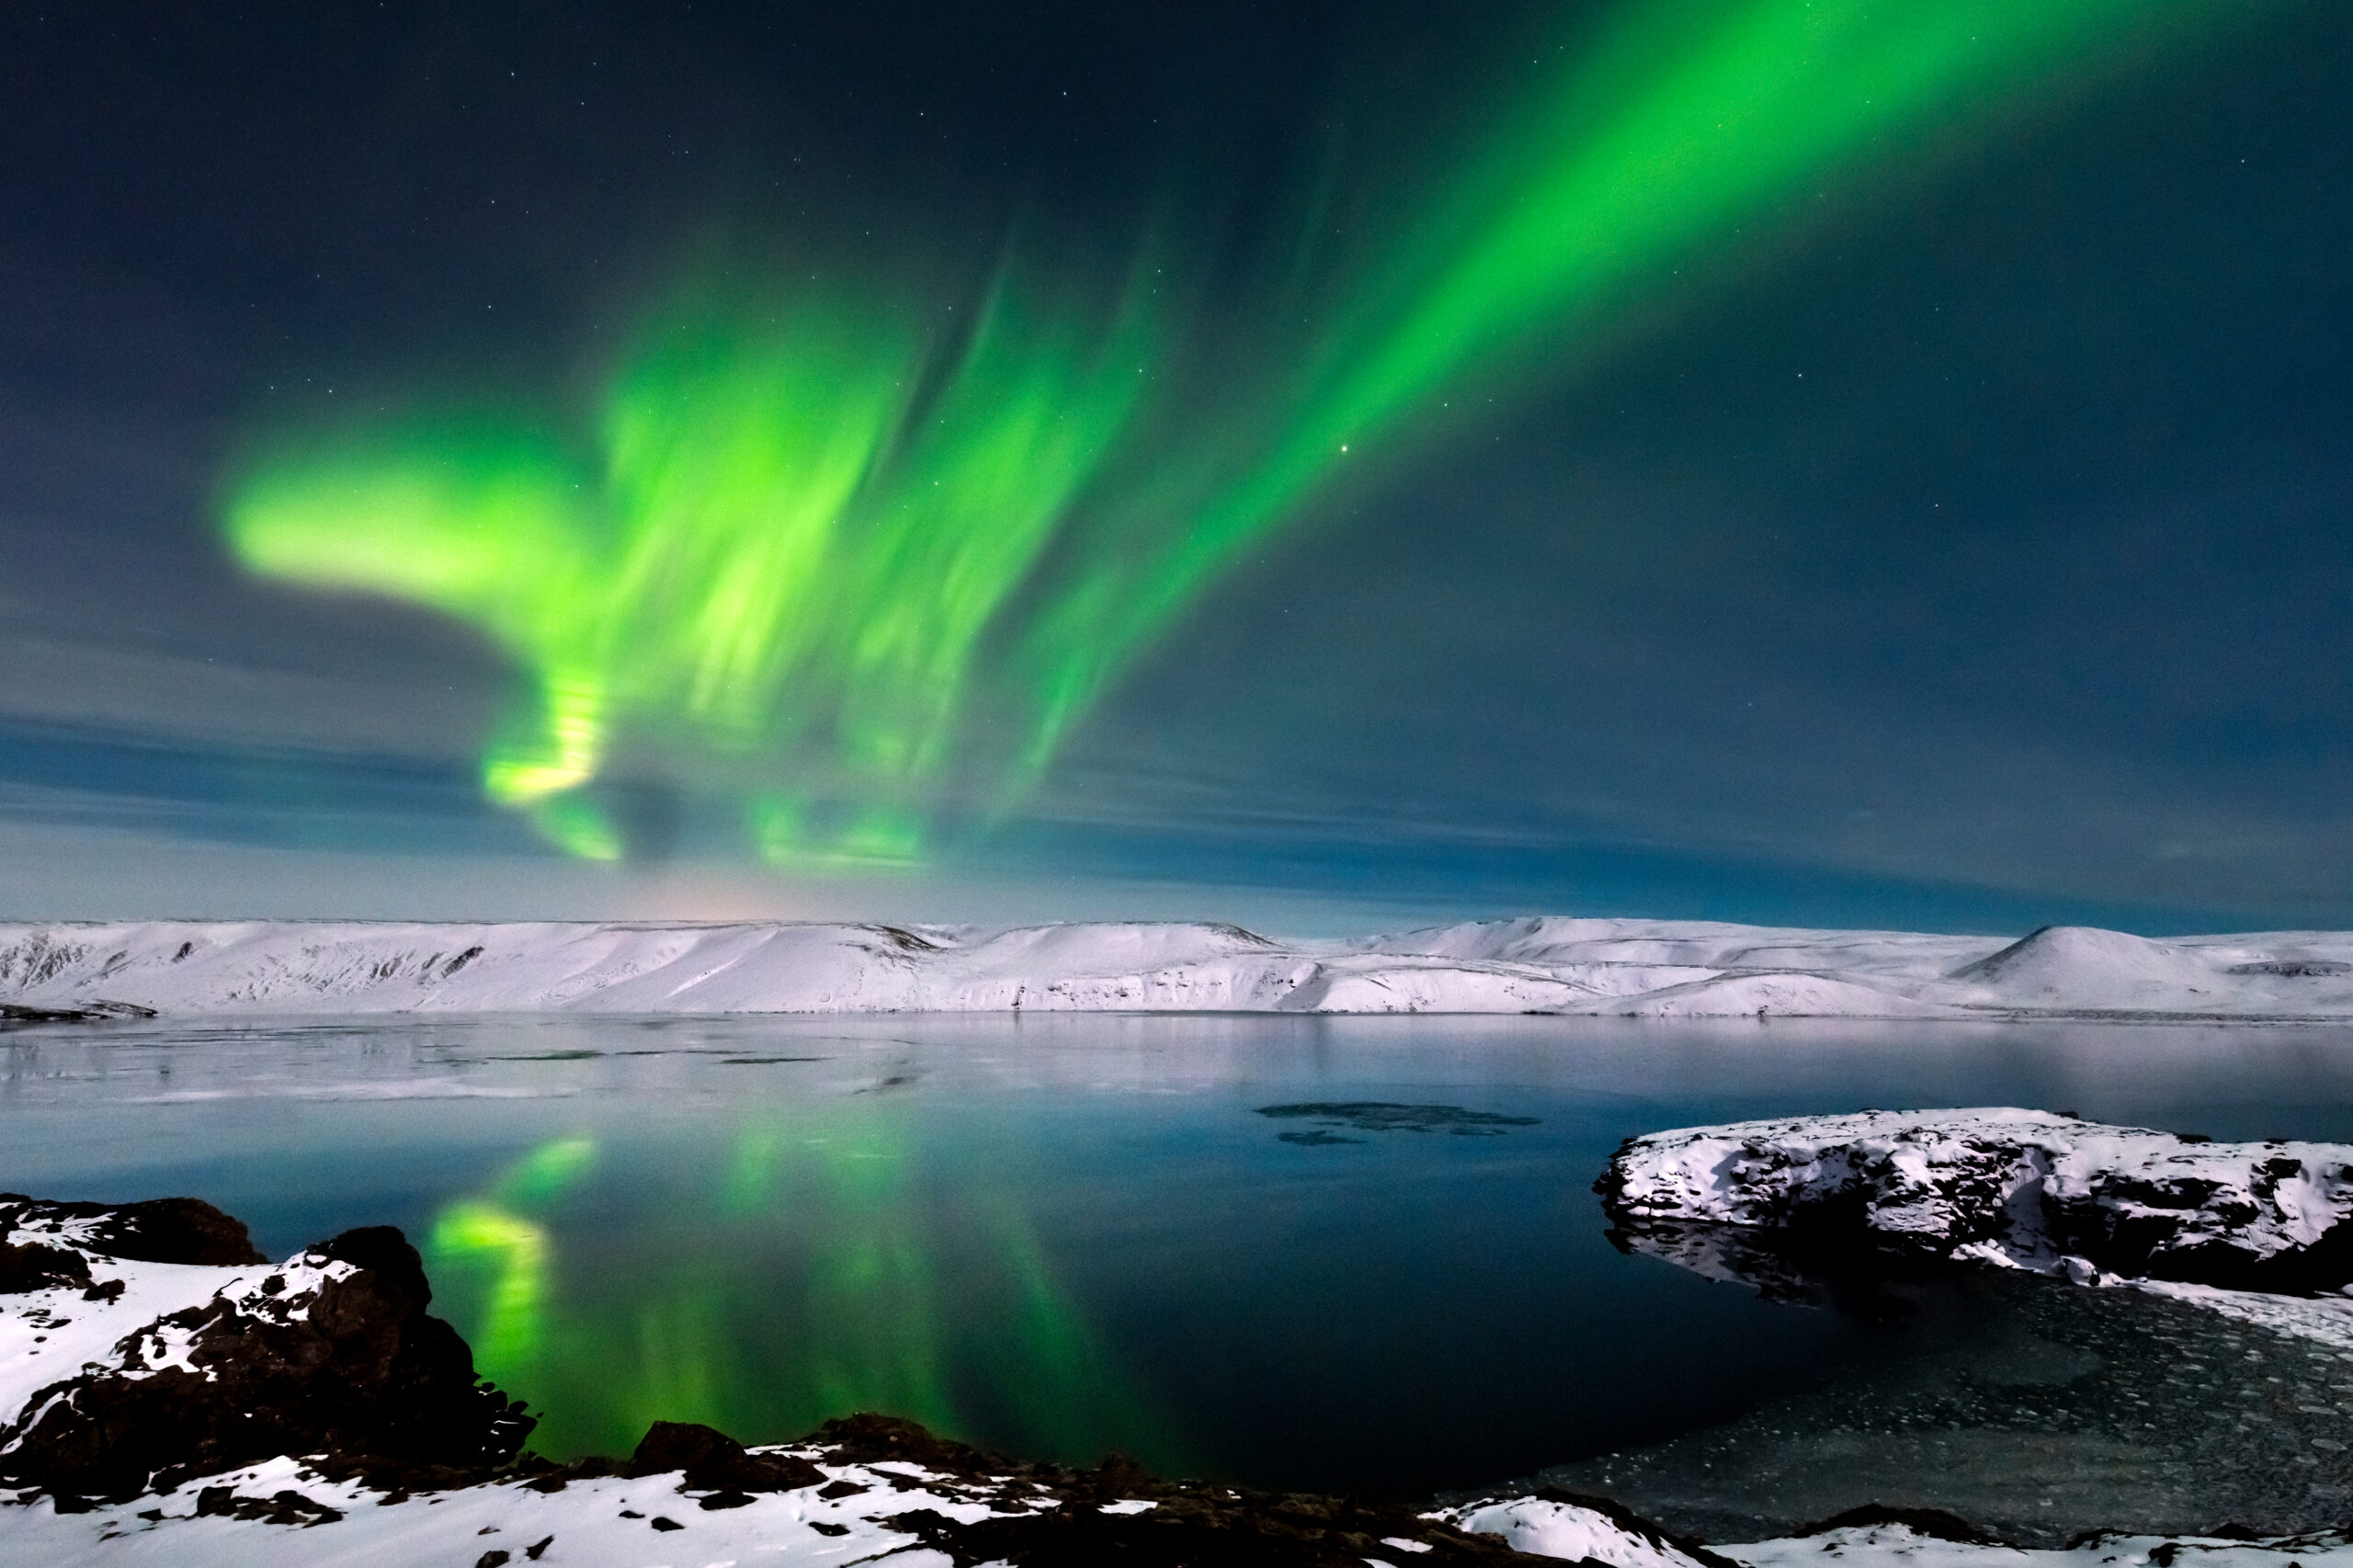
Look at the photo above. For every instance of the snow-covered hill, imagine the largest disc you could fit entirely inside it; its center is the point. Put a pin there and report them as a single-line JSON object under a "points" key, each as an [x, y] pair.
{"points": [[1637, 968]]}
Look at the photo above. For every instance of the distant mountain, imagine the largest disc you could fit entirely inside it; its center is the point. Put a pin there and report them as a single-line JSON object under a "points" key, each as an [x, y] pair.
{"points": [[1633, 968]]}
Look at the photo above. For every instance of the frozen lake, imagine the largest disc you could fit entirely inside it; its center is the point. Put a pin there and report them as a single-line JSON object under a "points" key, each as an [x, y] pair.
{"points": [[1063, 1235]]}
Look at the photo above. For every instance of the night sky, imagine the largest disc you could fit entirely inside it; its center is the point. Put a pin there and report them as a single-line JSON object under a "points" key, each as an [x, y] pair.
{"points": [[1323, 464]]}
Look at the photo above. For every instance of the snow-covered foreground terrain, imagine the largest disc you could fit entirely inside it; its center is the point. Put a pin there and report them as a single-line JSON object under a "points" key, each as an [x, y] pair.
{"points": [[168, 1397], [1652, 969], [611, 1523]]}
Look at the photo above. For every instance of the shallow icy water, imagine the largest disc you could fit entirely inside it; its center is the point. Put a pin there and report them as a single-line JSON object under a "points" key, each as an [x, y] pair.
{"points": [[1064, 1235]]}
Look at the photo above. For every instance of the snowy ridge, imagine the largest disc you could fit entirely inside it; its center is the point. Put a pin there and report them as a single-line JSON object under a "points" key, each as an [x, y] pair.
{"points": [[607, 1522], [1628, 968], [2025, 1189]]}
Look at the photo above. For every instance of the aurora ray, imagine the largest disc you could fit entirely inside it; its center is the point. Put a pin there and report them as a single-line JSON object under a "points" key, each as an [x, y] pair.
{"points": [[814, 537]]}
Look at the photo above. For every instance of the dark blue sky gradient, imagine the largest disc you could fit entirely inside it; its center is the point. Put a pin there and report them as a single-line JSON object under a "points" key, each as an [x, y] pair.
{"points": [[1977, 556]]}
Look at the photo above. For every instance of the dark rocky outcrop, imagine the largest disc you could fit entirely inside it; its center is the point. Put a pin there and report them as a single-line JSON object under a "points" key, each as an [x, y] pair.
{"points": [[331, 1355], [162, 1230], [2030, 1188], [1935, 1523], [37, 1266], [283, 1507], [713, 1460], [868, 1438]]}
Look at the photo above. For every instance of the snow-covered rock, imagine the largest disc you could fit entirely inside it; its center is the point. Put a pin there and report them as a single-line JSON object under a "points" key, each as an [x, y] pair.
{"points": [[1586, 1528], [284, 1512], [2025, 1188], [858, 1506], [144, 1344]]}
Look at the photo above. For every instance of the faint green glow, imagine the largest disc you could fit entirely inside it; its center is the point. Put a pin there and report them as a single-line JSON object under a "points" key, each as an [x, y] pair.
{"points": [[803, 1265], [1069, 1396], [547, 1172], [831, 555]]}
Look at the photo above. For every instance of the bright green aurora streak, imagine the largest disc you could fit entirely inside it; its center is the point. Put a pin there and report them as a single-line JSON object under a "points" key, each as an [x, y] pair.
{"points": [[841, 556]]}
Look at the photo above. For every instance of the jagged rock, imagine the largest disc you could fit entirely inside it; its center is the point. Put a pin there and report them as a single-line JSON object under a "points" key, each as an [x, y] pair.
{"points": [[713, 1460], [2027, 1188], [868, 1438], [37, 1266], [331, 1354], [282, 1508]]}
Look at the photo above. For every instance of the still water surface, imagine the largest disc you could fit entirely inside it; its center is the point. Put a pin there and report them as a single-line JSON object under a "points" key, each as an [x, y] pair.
{"points": [[1066, 1236]]}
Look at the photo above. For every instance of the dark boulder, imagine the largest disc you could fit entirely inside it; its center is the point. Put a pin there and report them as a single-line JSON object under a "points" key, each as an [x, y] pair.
{"points": [[714, 1461]]}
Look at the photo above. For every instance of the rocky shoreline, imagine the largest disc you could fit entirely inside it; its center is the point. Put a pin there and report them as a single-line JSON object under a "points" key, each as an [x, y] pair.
{"points": [[168, 1395], [2073, 1322]]}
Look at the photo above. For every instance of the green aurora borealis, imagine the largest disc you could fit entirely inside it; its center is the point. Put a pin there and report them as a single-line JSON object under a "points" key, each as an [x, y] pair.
{"points": [[813, 1265], [859, 571]]}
